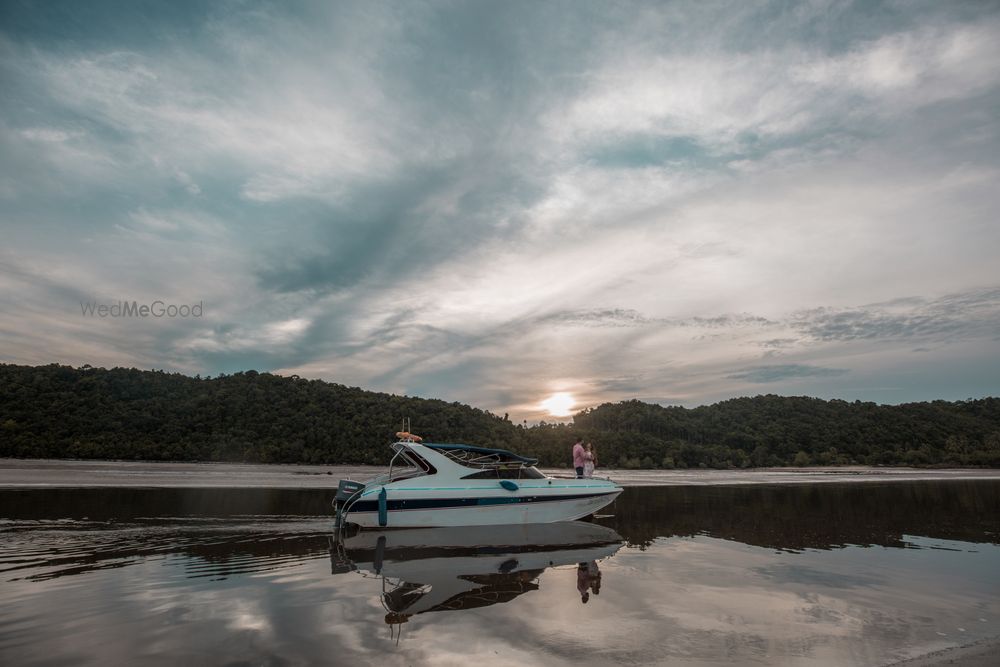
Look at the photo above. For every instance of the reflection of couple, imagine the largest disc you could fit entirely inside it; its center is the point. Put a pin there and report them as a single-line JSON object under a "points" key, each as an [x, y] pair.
{"points": [[588, 576], [584, 459]]}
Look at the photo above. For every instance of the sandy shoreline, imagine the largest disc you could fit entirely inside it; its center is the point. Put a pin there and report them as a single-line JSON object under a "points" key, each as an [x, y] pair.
{"points": [[983, 653], [42, 473]]}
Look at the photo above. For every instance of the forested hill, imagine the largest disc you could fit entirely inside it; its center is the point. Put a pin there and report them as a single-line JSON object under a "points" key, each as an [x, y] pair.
{"points": [[782, 430], [58, 411]]}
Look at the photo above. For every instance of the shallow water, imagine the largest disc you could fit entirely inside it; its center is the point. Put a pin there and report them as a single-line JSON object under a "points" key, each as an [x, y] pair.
{"points": [[792, 575]]}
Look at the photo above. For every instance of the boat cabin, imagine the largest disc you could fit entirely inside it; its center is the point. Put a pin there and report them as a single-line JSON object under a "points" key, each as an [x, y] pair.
{"points": [[416, 459]]}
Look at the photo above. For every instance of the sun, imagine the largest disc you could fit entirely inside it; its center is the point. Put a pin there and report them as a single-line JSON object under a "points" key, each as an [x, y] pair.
{"points": [[559, 404]]}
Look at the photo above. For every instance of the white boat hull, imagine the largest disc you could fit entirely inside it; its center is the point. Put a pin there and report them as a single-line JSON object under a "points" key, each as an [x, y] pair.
{"points": [[530, 504]]}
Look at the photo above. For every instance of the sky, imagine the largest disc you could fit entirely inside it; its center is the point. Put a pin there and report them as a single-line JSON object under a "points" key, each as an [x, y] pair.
{"points": [[680, 202]]}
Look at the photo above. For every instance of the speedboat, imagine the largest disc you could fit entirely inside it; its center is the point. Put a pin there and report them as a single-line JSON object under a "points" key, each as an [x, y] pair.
{"points": [[434, 485]]}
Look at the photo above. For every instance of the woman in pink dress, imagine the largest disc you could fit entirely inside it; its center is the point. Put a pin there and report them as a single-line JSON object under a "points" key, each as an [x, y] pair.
{"points": [[589, 460]]}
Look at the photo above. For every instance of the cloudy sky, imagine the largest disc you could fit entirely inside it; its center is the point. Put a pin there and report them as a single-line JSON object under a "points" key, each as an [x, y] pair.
{"points": [[491, 202]]}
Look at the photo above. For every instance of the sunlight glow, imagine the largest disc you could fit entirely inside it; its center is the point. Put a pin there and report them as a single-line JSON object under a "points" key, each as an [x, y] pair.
{"points": [[559, 404]]}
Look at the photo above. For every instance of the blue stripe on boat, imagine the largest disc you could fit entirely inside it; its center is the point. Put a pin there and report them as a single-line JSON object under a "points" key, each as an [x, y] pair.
{"points": [[449, 503]]}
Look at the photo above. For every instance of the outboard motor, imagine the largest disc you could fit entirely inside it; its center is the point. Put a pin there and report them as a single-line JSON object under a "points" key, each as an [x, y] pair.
{"points": [[347, 493]]}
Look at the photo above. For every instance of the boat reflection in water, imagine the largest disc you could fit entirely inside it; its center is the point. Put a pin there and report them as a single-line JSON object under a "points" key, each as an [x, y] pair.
{"points": [[450, 569]]}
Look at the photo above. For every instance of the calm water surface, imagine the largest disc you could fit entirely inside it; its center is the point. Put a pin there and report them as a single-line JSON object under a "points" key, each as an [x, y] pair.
{"points": [[791, 575]]}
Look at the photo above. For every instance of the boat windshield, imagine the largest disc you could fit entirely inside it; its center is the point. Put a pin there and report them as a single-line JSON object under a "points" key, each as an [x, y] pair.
{"points": [[491, 463], [478, 457]]}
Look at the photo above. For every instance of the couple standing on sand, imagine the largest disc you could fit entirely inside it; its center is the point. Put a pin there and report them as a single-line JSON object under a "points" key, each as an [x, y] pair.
{"points": [[584, 459]]}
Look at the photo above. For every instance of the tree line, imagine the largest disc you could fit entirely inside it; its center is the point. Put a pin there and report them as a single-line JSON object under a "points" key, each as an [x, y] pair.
{"points": [[59, 411]]}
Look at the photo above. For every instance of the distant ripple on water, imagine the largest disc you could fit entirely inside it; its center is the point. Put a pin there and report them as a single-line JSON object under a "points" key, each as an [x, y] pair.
{"points": [[212, 547]]}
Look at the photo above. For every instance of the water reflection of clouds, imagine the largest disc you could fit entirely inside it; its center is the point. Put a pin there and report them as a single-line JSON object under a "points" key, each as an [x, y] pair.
{"points": [[814, 609], [788, 573], [697, 599], [713, 599]]}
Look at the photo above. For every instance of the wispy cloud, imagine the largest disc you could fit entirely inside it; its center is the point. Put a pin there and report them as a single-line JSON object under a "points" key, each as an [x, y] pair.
{"points": [[972, 313], [778, 372]]}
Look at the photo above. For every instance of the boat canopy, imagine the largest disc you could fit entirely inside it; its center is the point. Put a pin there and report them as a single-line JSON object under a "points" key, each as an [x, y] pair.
{"points": [[486, 456]]}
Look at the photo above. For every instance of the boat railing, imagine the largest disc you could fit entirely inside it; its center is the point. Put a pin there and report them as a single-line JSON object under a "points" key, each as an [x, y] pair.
{"points": [[394, 476], [378, 480]]}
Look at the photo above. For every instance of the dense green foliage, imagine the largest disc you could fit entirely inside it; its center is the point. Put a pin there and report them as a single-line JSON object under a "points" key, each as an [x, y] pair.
{"points": [[59, 411], [795, 430]]}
